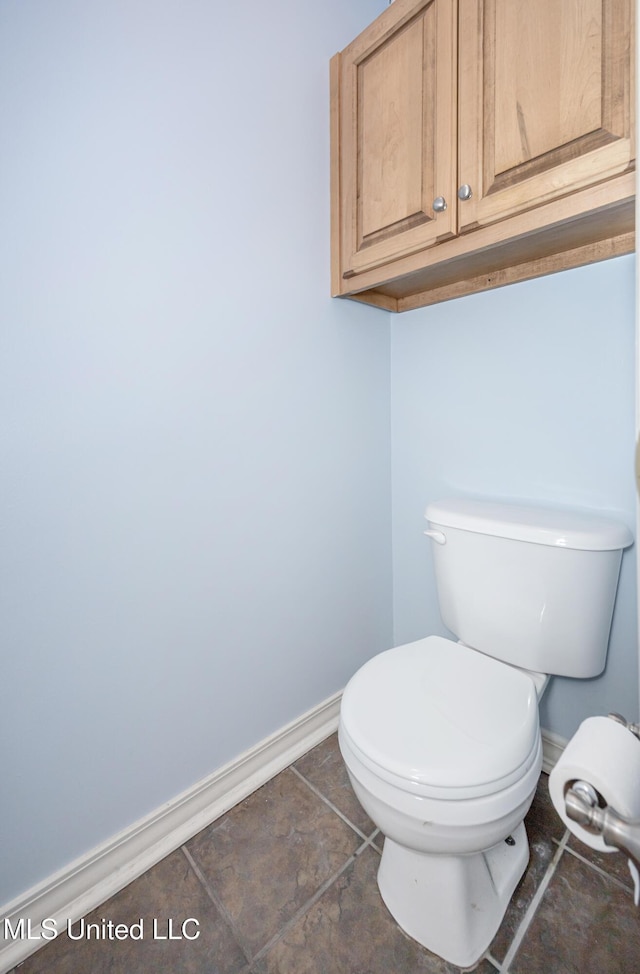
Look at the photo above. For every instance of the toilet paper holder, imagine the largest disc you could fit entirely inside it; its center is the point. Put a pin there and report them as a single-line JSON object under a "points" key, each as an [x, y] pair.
{"points": [[585, 806], [582, 805], [634, 728]]}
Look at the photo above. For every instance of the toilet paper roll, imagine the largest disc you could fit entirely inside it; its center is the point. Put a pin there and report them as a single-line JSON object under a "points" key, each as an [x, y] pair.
{"points": [[607, 755]]}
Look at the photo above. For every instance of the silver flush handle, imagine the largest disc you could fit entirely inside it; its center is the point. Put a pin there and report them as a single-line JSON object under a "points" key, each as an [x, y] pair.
{"points": [[437, 536]]}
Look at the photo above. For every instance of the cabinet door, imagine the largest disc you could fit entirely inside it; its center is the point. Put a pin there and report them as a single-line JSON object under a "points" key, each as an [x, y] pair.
{"points": [[396, 132], [545, 101]]}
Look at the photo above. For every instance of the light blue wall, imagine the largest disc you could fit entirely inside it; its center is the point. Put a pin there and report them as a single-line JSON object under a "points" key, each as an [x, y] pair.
{"points": [[195, 486], [521, 393]]}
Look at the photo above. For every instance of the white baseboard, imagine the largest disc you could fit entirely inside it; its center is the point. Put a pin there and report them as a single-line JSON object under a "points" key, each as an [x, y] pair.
{"points": [[552, 747], [89, 881]]}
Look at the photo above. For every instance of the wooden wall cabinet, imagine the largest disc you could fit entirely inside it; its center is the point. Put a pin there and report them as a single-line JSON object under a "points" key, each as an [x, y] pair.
{"points": [[479, 142]]}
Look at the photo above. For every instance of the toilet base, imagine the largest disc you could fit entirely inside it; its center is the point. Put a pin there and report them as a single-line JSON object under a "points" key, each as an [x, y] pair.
{"points": [[452, 905]]}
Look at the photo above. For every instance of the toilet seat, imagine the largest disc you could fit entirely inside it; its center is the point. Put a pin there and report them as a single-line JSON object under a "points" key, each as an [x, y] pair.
{"points": [[440, 720]]}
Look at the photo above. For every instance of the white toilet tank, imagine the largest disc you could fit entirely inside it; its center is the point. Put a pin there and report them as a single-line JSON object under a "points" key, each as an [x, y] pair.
{"points": [[532, 586]]}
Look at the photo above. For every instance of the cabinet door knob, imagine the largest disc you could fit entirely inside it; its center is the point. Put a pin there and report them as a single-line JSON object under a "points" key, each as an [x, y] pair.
{"points": [[439, 204], [464, 193]]}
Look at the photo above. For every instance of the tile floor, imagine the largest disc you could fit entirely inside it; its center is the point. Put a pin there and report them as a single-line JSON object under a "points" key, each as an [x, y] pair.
{"points": [[284, 883]]}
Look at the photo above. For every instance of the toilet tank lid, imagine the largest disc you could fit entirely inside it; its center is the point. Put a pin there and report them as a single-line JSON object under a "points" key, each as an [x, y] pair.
{"points": [[557, 527]]}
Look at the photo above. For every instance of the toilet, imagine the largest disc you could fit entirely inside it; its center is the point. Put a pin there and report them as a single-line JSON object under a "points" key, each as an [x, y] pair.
{"points": [[441, 738]]}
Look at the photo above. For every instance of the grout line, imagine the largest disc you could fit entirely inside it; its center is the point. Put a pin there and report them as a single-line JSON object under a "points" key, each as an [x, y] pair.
{"points": [[370, 844], [217, 902], [367, 841], [333, 807], [533, 905], [627, 887], [603, 872], [372, 838], [492, 960], [310, 902]]}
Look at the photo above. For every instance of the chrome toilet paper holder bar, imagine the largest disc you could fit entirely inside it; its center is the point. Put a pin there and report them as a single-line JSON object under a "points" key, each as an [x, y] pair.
{"points": [[585, 806]]}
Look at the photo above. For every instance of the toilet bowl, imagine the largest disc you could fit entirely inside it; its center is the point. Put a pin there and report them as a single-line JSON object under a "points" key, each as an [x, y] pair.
{"points": [[443, 749], [441, 739]]}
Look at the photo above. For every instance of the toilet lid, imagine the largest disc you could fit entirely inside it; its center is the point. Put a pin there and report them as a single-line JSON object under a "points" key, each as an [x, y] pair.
{"points": [[438, 715]]}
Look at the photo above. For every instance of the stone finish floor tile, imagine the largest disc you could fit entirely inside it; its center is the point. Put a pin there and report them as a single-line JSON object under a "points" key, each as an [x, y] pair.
{"points": [[614, 864], [542, 825], [170, 890], [281, 884], [585, 924], [269, 855], [349, 930], [325, 769]]}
